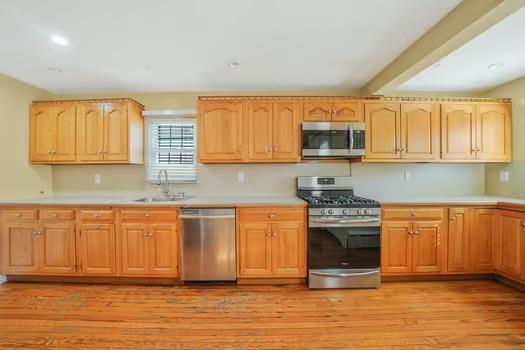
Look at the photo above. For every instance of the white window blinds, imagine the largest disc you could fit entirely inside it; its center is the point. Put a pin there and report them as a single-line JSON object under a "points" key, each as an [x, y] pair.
{"points": [[172, 146]]}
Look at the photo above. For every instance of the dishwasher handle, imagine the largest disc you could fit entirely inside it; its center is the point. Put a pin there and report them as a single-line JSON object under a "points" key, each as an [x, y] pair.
{"points": [[206, 217]]}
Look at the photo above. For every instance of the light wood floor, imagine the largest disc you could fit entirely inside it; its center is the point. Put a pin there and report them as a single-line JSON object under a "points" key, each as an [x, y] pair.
{"points": [[417, 315]]}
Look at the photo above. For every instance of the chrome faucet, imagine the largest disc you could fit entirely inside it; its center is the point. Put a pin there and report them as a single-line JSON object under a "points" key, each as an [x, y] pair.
{"points": [[166, 187]]}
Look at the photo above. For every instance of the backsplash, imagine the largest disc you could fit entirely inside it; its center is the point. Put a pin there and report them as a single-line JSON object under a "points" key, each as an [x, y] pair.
{"points": [[376, 180]]}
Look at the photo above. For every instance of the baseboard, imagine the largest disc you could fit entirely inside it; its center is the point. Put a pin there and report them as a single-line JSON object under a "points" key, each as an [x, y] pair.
{"points": [[95, 280], [271, 281], [511, 283], [3, 279], [451, 277]]}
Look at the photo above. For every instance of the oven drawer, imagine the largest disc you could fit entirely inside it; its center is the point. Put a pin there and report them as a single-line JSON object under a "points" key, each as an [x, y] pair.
{"points": [[344, 278], [413, 213]]}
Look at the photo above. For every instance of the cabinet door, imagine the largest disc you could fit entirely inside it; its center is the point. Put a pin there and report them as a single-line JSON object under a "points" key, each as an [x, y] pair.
{"points": [[97, 249], [65, 149], [288, 249], [255, 250], [420, 131], [458, 232], [90, 131], [493, 132], [396, 247], [221, 132], [57, 247], [457, 131], [481, 254], [511, 244], [19, 248], [383, 130], [317, 112], [286, 131], [43, 133], [163, 249], [115, 131], [260, 131], [134, 249], [427, 247], [347, 111]]}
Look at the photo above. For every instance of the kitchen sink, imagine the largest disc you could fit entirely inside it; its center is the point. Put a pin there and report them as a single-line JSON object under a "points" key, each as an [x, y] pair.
{"points": [[161, 199]]}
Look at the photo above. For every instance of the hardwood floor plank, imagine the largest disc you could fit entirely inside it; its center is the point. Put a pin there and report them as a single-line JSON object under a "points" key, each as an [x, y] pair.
{"points": [[398, 316]]}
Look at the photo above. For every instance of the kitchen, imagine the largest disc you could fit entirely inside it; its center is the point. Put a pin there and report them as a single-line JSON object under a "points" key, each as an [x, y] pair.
{"points": [[191, 208]]}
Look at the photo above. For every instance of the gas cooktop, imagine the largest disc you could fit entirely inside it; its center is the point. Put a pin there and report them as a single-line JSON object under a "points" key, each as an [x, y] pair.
{"points": [[326, 200]]}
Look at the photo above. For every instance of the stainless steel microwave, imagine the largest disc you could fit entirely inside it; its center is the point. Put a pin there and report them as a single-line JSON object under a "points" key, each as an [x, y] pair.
{"points": [[333, 140]]}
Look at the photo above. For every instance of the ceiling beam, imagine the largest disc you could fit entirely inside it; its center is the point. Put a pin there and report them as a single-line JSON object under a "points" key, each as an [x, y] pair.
{"points": [[469, 19]]}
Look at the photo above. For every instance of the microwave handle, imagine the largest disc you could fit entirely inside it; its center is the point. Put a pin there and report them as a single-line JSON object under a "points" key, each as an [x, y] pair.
{"points": [[351, 137]]}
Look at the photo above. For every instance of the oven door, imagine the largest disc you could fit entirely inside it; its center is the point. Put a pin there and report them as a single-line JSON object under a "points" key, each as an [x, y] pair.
{"points": [[326, 140], [344, 243]]}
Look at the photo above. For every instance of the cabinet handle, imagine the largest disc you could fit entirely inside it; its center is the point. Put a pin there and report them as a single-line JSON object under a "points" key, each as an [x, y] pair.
{"points": [[271, 216], [150, 235], [452, 218], [147, 215], [412, 214], [34, 233], [49, 152], [97, 227], [415, 232]]}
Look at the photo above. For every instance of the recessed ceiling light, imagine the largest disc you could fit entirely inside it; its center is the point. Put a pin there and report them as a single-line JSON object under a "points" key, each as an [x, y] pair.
{"points": [[496, 65], [55, 70], [234, 64], [60, 40]]}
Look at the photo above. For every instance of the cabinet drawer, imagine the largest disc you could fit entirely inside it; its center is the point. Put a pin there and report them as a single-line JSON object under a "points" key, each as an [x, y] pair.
{"points": [[19, 215], [413, 213], [271, 214], [148, 215], [57, 215], [96, 215]]}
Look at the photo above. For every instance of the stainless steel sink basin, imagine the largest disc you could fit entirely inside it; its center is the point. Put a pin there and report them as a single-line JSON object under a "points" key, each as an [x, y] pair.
{"points": [[161, 199]]}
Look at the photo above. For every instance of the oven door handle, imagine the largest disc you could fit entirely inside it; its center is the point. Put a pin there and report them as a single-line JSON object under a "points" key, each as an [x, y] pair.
{"points": [[358, 221], [342, 275]]}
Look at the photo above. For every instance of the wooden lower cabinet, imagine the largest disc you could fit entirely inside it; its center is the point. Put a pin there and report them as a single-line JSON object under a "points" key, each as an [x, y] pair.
{"points": [[97, 249], [511, 244], [271, 249], [481, 251], [149, 249], [458, 239], [412, 247], [39, 248]]}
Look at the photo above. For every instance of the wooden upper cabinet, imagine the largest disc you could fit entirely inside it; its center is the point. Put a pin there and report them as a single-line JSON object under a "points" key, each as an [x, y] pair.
{"points": [[347, 111], [115, 131], [493, 132], [344, 111], [420, 131], [458, 131], [458, 238], [511, 243], [260, 130], [383, 122], [317, 112], [90, 132], [286, 131], [87, 132], [52, 132], [221, 134]]}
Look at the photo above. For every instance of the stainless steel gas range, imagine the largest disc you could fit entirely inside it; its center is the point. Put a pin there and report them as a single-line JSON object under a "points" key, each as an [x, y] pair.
{"points": [[344, 234]]}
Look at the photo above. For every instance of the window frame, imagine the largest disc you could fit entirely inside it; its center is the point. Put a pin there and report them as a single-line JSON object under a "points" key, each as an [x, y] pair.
{"points": [[176, 116]]}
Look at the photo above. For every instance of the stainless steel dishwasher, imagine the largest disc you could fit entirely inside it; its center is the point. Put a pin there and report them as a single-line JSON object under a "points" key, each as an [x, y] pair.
{"points": [[208, 244]]}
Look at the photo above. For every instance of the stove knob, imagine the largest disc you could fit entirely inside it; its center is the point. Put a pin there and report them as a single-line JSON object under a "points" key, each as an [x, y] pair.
{"points": [[345, 211], [367, 211], [323, 211], [360, 211], [330, 211]]}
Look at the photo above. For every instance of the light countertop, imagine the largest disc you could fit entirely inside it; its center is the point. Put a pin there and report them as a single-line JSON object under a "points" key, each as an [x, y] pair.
{"points": [[190, 201], [448, 200]]}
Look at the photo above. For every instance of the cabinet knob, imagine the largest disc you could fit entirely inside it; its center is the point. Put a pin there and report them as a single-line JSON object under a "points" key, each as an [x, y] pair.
{"points": [[274, 234], [97, 227], [147, 215], [412, 214], [96, 216], [415, 232], [99, 151], [145, 234], [271, 215], [452, 218], [19, 215], [49, 152], [150, 235], [34, 233], [523, 224], [55, 215]]}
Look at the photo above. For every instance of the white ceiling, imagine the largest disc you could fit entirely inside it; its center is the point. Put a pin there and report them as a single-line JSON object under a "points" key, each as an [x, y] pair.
{"points": [[169, 45], [502, 48]]}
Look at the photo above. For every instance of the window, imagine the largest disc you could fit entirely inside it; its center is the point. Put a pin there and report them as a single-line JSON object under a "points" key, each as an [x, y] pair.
{"points": [[171, 146]]}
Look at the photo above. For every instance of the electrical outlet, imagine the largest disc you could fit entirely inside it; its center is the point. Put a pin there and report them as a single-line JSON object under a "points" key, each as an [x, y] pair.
{"points": [[98, 179], [504, 176], [240, 177]]}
